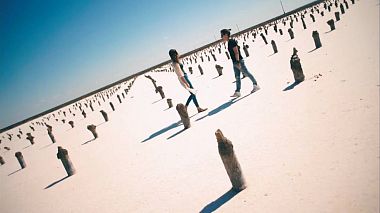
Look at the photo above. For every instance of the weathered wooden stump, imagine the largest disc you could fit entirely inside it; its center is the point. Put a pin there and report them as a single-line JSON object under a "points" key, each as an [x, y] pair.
{"points": [[2, 162], [104, 114], [182, 111], [291, 33], [317, 40], [346, 4], [219, 69], [264, 39], [280, 31], [170, 102], [112, 106], [118, 97], [337, 16], [160, 90], [84, 114], [274, 46], [231, 163], [331, 23], [342, 9], [228, 55], [91, 107], [353, 1], [20, 159], [245, 48], [92, 129], [30, 138], [71, 124], [191, 70], [303, 24], [50, 133], [200, 69], [295, 65], [63, 155]]}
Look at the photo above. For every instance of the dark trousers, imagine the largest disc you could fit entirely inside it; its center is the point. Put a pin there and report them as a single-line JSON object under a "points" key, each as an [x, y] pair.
{"points": [[192, 97]]}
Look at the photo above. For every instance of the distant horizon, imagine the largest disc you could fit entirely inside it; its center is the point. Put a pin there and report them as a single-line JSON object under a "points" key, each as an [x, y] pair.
{"points": [[54, 101]]}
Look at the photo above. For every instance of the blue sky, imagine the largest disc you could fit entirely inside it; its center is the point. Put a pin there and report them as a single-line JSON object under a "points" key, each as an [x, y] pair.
{"points": [[53, 51]]}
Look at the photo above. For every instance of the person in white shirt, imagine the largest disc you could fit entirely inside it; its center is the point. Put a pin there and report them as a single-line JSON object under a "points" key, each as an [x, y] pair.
{"points": [[184, 79]]}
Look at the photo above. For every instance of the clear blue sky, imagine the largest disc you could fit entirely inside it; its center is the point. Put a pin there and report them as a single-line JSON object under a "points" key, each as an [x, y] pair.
{"points": [[53, 51]]}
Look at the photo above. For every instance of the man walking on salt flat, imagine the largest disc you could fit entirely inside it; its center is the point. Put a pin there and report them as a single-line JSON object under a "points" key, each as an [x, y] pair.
{"points": [[238, 63]]}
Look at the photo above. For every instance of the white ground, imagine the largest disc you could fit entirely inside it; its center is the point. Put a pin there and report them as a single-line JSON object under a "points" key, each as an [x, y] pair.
{"points": [[311, 149]]}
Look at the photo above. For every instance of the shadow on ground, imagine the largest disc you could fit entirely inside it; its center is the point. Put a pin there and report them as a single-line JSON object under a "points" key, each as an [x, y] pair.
{"points": [[214, 205]]}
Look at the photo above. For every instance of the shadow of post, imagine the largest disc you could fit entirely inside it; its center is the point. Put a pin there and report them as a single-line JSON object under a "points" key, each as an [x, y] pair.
{"points": [[214, 205], [56, 182], [14, 172], [162, 131]]}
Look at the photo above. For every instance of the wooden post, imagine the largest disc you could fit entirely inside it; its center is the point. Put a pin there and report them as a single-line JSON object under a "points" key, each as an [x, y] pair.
{"points": [[2, 162], [170, 103], [231, 163], [92, 129], [200, 69], [20, 159], [219, 69], [63, 155], [182, 111], [291, 33], [118, 97], [317, 40], [264, 39], [162, 94], [71, 124], [50, 133], [342, 9], [274, 46], [337, 16], [112, 107], [331, 23], [84, 114], [104, 114], [30, 138], [295, 65]]}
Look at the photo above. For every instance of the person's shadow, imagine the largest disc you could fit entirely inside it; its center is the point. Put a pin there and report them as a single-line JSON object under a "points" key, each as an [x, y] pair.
{"points": [[223, 107], [214, 205], [290, 87]]}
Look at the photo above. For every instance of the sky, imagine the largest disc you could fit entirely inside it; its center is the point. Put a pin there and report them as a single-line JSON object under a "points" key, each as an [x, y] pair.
{"points": [[53, 51]]}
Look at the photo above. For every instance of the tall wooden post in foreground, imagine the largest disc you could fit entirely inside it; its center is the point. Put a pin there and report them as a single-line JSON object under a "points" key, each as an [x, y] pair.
{"points": [[231, 164]]}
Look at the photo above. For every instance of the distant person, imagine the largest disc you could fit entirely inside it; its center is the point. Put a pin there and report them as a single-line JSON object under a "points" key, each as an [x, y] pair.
{"points": [[184, 79], [238, 63]]}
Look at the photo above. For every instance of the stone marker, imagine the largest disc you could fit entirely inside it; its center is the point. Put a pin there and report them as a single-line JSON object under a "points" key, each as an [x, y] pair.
{"points": [[20, 159], [104, 114], [63, 155], [231, 163], [2, 162], [182, 111], [30, 138], [331, 23], [112, 107], [291, 33], [295, 65], [71, 124], [274, 46], [159, 90], [317, 40], [170, 103], [219, 69], [92, 129]]}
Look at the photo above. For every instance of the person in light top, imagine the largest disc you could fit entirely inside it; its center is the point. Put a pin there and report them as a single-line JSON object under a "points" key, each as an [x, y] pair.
{"points": [[238, 62], [184, 79]]}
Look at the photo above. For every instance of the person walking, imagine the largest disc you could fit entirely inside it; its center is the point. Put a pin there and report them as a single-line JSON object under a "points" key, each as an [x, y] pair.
{"points": [[238, 62], [184, 79]]}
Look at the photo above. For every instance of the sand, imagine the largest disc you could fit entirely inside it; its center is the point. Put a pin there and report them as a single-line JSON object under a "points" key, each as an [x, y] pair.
{"points": [[314, 148]]}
